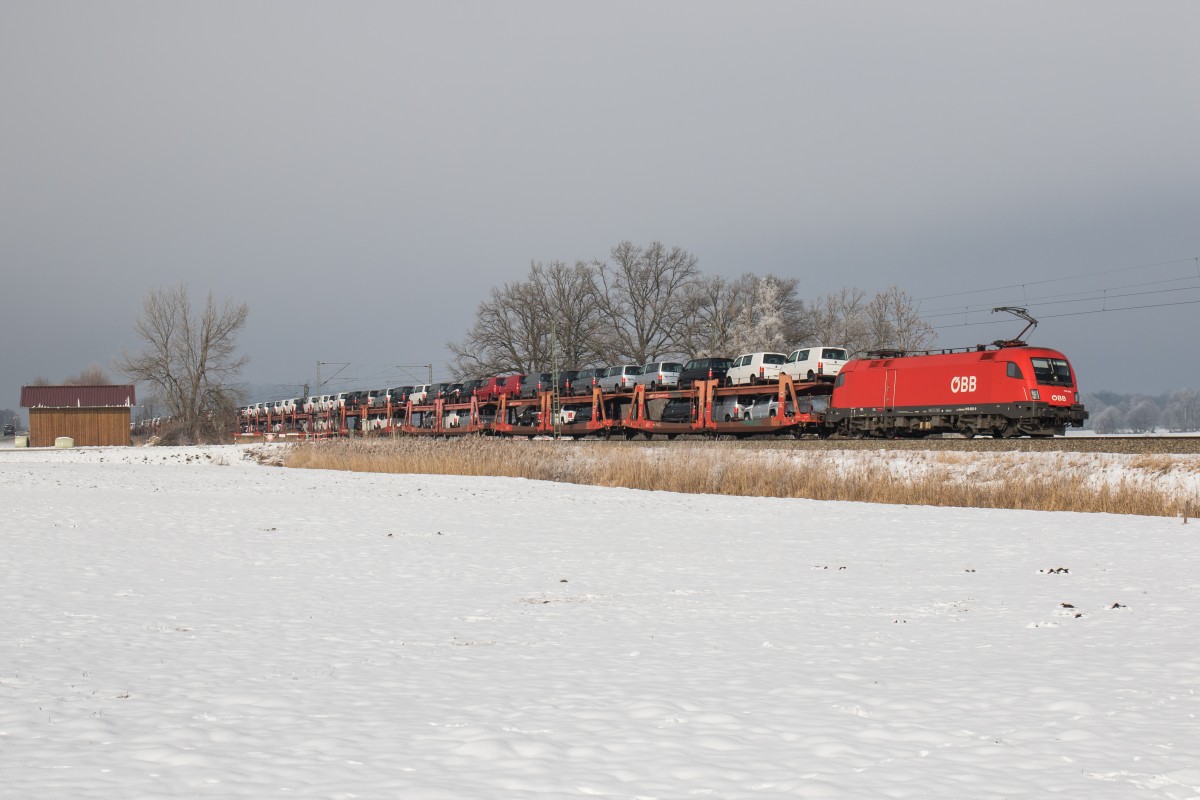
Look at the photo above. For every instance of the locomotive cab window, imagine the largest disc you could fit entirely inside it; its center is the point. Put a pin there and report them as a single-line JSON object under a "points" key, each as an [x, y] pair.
{"points": [[1014, 371], [1051, 371]]}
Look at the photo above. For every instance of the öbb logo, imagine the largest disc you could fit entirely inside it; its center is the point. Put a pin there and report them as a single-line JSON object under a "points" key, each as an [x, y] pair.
{"points": [[965, 383]]}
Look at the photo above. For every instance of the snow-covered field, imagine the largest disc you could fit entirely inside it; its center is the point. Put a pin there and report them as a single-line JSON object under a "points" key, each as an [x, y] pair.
{"points": [[182, 622]]}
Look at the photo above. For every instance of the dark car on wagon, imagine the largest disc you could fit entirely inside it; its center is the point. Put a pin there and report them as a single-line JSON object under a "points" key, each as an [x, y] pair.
{"points": [[678, 410], [566, 381], [703, 369]]}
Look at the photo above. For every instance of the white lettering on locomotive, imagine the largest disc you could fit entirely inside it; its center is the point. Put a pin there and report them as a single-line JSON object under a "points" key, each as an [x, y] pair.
{"points": [[1058, 398], [965, 383]]}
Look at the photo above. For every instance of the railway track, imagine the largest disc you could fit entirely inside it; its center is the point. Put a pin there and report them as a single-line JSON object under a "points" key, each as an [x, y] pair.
{"points": [[1129, 445]]}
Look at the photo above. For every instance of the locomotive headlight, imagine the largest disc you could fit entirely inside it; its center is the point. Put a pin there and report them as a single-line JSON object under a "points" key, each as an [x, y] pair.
{"points": [[1034, 394], [1076, 400]]}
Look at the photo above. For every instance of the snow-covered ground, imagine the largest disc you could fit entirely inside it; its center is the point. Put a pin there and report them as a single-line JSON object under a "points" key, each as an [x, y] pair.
{"points": [[182, 622]]}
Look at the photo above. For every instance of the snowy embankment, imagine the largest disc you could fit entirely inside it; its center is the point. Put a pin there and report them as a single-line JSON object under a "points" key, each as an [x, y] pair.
{"points": [[185, 623]]}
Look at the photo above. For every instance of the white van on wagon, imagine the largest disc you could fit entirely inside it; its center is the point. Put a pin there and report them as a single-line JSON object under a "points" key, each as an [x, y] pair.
{"points": [[755, 368], [816, 363]]}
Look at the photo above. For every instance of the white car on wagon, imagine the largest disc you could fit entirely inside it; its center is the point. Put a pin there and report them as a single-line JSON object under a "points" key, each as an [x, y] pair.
{"points": [[755, 368], [660, 374], [816, 363], [621, 378]]}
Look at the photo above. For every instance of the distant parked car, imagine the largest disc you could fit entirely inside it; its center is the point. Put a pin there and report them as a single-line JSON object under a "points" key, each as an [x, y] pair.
{"points": [[755, 368], [10, 430], [816, 363], [703, 369], [620, 378], [660, 374]]}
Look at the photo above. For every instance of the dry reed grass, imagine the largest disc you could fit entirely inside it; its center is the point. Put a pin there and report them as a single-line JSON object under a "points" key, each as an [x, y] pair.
{"points": [[937, 479]]}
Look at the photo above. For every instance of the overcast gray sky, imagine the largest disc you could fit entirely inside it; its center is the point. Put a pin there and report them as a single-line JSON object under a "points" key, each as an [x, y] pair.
{"points": [[362, 173]]}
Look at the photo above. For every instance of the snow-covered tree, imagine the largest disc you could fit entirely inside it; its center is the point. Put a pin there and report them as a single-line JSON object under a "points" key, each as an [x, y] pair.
{"points": [[1110, 420], [1183, 411], [1143, 417]]}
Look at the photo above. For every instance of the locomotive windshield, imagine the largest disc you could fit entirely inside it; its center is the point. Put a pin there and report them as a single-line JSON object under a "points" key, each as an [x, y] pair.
{"points": [[1052, 371]]}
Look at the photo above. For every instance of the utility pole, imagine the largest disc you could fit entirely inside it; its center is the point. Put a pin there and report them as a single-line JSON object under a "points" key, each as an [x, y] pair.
{"points": [[414, 366], [555, 399], [342, 364]]}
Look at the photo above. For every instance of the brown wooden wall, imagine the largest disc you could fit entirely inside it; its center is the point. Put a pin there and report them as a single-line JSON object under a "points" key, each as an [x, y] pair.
{"points": [[89, 427]]}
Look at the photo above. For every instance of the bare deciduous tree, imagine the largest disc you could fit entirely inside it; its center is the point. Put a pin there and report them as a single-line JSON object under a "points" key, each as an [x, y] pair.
{"points": [[643, 300], [895, 322], [712, 304], [841, 319], [190, 358], [508, 335], [513, 330], [889, 320], [569, 296]]}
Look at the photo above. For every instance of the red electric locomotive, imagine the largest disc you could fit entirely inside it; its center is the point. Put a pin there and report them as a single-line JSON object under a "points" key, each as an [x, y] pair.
{"points": [[1004, 389]]}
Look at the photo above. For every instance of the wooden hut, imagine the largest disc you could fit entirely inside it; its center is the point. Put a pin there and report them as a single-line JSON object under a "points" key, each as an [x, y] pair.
{"points": [[91, 415]]}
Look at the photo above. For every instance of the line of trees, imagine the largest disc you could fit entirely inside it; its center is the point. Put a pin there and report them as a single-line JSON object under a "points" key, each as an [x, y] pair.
{"points": [[94, 375], [1178, 411], [654, 302]]}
